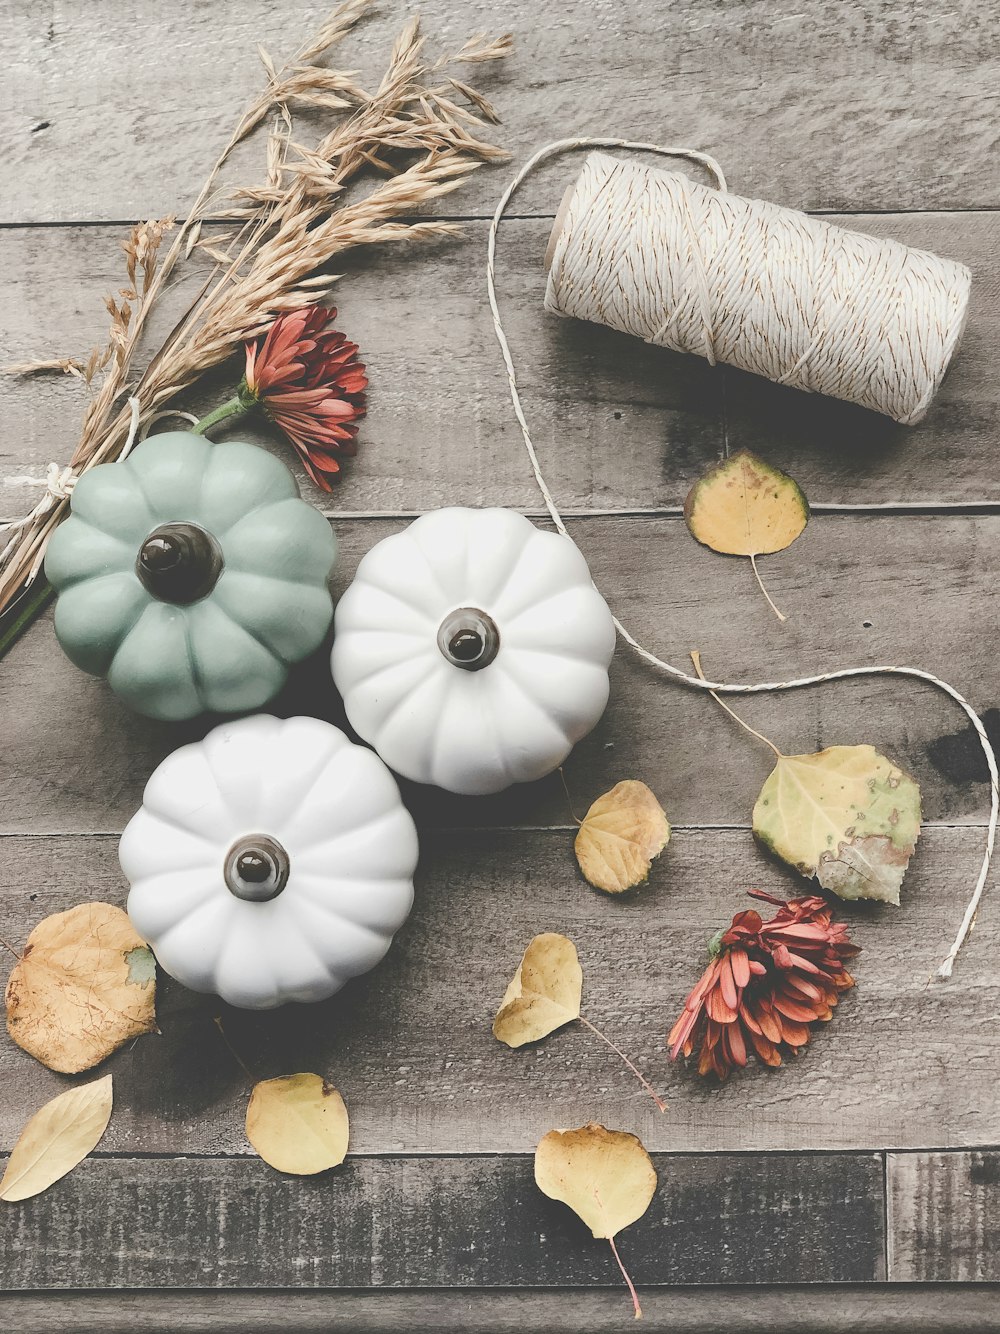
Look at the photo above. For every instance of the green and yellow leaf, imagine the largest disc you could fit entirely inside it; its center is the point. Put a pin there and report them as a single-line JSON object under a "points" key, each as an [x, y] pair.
{"points": [[744, 507], [846, 816]]}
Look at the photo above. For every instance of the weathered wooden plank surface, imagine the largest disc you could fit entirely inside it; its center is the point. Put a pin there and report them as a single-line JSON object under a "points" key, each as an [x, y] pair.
{"points": [[861, 108], [862, 104], [840, 1309], [410, 1046], [944, 1213], [856, 590], [443, 1222], [618, 425]]}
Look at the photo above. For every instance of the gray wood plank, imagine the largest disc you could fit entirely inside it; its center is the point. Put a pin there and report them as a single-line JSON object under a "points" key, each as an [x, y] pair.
{"points": [[839, 1309], [856, 590], [618, 425], [443, 1222], [410, 1046], [860, 104], [943, 1214]]}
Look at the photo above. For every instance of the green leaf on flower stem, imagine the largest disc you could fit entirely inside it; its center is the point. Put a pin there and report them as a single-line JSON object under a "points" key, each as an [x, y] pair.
{"points": [[846, 816]]}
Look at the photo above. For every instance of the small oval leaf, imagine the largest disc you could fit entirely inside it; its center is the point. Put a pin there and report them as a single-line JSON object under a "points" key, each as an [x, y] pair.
{"points": [[298, 1124], [57, 1138], [619, 837]]}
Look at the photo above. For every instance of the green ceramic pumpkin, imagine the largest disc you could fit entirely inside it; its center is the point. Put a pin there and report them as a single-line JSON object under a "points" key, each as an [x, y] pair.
{"points": [[191, 575]]}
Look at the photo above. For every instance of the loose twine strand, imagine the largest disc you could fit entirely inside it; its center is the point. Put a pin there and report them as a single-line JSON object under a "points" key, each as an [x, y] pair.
{"points": [[694, 682]]}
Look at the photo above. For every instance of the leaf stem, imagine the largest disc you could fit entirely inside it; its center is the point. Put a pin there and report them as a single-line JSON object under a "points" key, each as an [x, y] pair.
{"points": [[696, 659], [635, 1070], [760, 584], [569, 799], [8, 946], [625, 1275], [217, 1021]]}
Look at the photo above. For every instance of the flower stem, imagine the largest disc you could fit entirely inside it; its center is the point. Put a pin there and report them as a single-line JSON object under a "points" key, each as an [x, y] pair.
{"points": [[235, 407], [635, 1070], [31, 604]]}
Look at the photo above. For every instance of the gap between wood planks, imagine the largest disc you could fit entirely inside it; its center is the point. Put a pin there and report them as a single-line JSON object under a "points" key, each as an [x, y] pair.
{"points": [[886, 509], [443, 830], [496, 1155], [37, 225], [892, 509]]}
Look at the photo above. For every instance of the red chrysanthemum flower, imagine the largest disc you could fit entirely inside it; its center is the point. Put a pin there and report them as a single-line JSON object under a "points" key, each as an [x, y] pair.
{"points": [[767, 982], [308, 379]]}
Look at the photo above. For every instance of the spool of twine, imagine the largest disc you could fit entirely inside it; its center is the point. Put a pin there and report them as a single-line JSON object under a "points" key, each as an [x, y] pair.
{"points": [[748, 283], [570, 291]]}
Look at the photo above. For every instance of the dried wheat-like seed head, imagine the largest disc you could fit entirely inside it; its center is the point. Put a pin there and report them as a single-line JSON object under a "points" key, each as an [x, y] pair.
{"points": [[291, 225]]}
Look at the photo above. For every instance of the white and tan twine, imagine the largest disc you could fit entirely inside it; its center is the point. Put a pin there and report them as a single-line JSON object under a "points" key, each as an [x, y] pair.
{"points": [[763, 288], [670, 301]]}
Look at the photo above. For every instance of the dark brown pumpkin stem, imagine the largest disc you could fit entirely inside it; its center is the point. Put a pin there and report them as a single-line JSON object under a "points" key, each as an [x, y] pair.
{"points": [[179, 562]]}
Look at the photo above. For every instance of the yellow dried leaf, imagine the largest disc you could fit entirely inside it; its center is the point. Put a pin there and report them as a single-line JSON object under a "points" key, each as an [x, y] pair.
{"points": [[85, 984], [744, 507], [622, 832], [57, 1137], [605, 1176], [544, 993], [298, 1124]]}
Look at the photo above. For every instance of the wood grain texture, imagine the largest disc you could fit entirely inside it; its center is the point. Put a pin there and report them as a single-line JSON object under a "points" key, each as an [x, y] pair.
{"points": [[837, 1309], [409, 1045], [443, 1222], [618, 424], [856, 590], [944, 1216], [861, 104]]}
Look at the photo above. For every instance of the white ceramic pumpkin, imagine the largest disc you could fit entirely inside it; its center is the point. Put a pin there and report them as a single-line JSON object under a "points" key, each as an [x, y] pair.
{"points": [[472, 650], [270, 862]]}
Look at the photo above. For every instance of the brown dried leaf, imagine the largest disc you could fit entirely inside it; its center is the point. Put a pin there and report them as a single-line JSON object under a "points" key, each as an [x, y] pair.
{"points": [[296, 229], [544, 994], [85, 984], [622, 832], [605, 1176], [298, 1124], [56, 1139]]}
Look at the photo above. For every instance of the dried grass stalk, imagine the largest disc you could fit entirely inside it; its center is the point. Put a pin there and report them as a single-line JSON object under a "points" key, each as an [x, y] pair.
{"points": [[290, 226]]}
